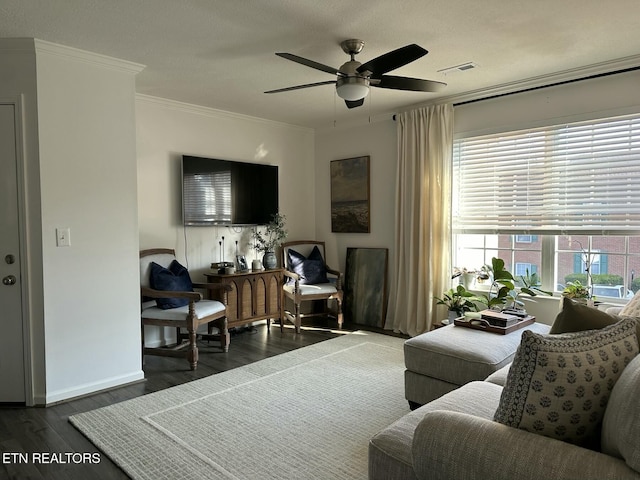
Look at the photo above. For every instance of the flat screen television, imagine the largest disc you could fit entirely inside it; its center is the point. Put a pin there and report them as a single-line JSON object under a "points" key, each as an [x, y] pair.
{"points": [[225, 192]]}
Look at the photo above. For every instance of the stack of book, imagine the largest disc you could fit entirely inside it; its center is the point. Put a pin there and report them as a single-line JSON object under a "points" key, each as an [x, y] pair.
{"points": [[500, 319]]}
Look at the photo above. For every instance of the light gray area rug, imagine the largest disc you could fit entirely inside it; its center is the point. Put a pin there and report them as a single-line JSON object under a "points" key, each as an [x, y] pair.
{"points": [[305, 414]]}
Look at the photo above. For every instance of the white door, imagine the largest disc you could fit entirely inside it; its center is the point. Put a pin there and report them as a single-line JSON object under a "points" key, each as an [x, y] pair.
{"points": [[12, 377]]}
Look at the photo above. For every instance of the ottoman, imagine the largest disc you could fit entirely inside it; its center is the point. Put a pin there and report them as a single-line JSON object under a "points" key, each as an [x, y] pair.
{"points": [[444, 359]]}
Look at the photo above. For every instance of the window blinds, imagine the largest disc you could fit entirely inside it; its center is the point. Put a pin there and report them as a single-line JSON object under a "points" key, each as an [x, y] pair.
{"points": [[580, 177]]}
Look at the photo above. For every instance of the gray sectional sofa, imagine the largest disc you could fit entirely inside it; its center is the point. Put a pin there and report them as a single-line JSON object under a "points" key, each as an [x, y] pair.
{"points": [[455, 436]]}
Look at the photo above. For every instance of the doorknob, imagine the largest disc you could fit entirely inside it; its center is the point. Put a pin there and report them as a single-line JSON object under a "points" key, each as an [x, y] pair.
{"points": [[9, 280]]}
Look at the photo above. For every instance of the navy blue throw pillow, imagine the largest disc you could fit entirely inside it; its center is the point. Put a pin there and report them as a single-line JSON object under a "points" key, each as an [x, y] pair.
{"points": [[173, 279], [311, 269]]}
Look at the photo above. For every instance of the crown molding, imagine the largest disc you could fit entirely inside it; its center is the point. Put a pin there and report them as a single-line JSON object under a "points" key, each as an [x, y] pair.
{"points": [[96, 59], [34, 46], [213, 112]]}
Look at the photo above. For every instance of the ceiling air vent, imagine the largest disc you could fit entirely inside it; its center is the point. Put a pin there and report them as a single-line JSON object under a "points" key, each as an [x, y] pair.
{"points": [[459, 68]]}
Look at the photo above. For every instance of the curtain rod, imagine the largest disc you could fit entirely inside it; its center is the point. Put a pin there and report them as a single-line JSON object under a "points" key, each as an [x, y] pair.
{"points": [[530, 89]]}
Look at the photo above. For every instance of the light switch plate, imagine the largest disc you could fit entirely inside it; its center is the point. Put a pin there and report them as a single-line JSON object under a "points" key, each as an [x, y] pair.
{"points": [[63, 237]]}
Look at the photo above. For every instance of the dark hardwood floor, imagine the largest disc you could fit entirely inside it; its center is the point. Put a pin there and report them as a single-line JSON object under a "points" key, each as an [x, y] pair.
{"points": [[47, 430]]}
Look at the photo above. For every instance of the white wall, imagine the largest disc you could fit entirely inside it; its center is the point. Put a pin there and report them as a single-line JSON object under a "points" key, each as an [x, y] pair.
{"points": [[378, 140], [587, 99], [86, 120]]}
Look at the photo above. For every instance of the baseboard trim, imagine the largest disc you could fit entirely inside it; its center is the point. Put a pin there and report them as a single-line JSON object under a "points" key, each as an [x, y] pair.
{"points": [[92, 388]]}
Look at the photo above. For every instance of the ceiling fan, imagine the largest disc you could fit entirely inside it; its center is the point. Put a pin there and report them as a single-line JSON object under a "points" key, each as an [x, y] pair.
{"points": [[354, 79]]}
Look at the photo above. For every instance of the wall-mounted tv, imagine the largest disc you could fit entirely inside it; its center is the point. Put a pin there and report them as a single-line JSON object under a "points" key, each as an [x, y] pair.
{"points": [[225, 192]]}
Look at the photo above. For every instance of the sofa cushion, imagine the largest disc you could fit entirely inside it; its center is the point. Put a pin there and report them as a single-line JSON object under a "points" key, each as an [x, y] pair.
{"points": [[621, 423], [173, 279], [575, 317], [461, 446], [559, 385], [390, 450], [499, 377]]}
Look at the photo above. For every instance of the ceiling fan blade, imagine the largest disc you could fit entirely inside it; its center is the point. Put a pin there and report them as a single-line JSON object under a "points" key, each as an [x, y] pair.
{"points": [[408, 83], [309, 63], [392, 60], [354, 103], [298, 87]]}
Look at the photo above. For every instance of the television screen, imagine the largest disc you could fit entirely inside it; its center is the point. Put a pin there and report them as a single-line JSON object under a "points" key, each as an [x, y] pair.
{"points": [[224, 192]]}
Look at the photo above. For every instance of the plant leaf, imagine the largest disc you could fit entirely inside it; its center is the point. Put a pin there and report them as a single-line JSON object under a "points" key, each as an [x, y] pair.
{"points": [[497, 264]]}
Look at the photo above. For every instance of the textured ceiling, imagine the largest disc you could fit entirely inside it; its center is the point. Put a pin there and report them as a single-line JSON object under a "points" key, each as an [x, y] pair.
{"points": [[220, 53]]}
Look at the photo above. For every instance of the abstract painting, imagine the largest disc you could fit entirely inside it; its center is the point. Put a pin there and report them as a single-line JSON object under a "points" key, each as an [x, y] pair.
{"points": [[350, 195]]}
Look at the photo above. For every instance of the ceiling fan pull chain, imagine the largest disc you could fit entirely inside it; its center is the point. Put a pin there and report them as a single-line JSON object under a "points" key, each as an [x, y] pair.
{"points": [[335, 94]]}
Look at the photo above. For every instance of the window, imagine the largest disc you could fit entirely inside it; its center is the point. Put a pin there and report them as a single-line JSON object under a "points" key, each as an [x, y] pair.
{"points": [[524, 238], [557, 200], [523, 269]]}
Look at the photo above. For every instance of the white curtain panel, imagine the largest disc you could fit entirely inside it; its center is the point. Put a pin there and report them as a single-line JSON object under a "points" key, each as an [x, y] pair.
{"points": [[423, 219]]}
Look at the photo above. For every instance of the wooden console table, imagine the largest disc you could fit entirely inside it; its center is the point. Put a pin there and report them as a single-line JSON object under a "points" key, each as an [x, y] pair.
{"points": [[253, 296]]}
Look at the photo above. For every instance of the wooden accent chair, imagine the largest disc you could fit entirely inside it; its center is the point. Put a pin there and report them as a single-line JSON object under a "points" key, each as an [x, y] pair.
{"points": [[308, 278], [188, 317]]}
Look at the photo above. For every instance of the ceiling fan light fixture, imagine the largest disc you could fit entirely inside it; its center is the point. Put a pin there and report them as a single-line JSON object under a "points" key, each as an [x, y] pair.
{"points": [[352, 88], [354, 78]]}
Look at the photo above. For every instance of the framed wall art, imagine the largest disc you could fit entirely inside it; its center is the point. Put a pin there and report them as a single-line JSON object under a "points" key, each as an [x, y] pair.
{"points": [[350, 205]]}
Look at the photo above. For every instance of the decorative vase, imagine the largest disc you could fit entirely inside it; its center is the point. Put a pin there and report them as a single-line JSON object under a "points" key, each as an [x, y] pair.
{"points": [[468, 280], [269, 260]]}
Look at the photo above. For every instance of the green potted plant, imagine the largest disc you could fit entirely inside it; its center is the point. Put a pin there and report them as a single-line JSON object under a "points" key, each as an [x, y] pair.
{"points": [[460, 300], [576, 291], [274, 235], [507, 294]]}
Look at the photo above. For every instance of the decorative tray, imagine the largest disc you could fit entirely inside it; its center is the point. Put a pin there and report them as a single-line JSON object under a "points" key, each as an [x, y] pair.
{"points": [[479, 324]]}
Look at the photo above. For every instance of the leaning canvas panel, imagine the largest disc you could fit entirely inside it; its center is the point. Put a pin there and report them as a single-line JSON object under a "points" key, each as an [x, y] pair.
{"points": [[365, 289]]}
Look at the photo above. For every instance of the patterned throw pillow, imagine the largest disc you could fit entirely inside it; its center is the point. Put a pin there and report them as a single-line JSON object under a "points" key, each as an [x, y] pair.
{"points": [[559, 385]]}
